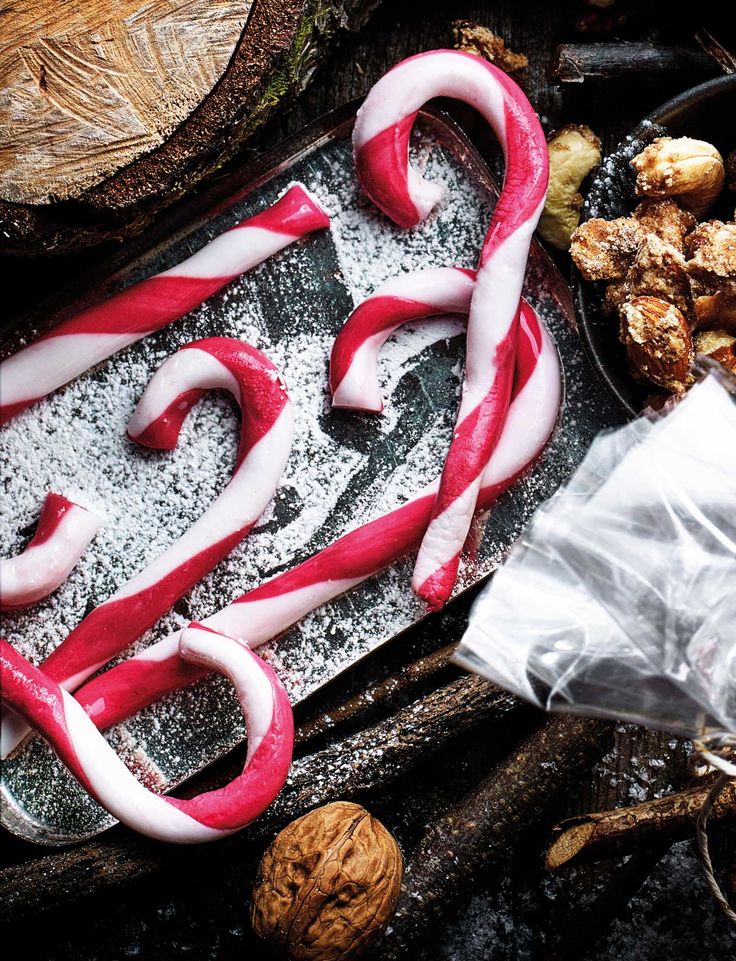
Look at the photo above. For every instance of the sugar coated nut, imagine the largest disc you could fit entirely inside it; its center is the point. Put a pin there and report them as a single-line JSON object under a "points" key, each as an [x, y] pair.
{"points": [[327, 884], [690, 170], [718, 344], [658, 341]]}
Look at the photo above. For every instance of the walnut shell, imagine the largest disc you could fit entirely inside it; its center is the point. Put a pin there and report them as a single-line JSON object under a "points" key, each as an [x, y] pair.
{"points": [[658, 341], [327, 884]]}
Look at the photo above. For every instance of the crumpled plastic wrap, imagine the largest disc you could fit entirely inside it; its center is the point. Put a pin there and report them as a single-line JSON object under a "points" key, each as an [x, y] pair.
{"points": [[620, 599]]}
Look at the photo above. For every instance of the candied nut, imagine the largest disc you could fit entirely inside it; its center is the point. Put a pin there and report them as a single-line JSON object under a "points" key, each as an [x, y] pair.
{"points": [[657, 340], [573, 152], [691, 170], [616, 296], [327, 884], [658, 270], [667, 220], [718, 344], [483, 42], [605, 249], [716, 310], [712, 251]]}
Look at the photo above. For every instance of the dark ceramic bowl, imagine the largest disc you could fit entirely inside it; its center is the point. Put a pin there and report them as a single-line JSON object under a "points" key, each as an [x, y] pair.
{"points": [[706, 112]]}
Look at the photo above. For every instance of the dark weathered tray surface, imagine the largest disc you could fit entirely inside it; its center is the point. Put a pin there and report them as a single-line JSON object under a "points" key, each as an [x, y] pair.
{"points": [[344, 468]]}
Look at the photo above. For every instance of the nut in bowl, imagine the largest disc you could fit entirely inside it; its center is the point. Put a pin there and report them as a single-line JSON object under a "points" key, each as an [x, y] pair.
{"points": [[655, 255]]}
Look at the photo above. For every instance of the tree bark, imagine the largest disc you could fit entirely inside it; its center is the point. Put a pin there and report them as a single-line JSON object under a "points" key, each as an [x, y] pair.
{"points": [[623, 830], [479, 831]]}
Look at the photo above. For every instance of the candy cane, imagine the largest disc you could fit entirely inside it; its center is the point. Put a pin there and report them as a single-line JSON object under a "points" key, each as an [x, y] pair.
{"points": [[265, 441], [270, 609], [381, 144], [424, 293], [58, 718], [62, 535], [94, 334]]}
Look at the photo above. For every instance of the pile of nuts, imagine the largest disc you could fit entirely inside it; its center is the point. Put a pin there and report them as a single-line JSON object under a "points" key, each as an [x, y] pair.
{"points": [[671, 280]]}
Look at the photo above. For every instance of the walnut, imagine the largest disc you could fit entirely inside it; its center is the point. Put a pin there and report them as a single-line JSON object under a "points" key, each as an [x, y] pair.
{"points": [[605, 249], [667, 220], [658, 270], [573, 152], [718, 344], [475, 38], [327, 884], [658, 341], [690, 170]]}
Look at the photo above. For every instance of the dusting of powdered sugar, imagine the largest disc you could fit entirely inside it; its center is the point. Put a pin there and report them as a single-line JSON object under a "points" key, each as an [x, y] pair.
{"points": [[344, 468]]}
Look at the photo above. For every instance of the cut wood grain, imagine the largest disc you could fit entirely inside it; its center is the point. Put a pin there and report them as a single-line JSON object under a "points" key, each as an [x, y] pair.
{"points": [[89, 87], [110, 111]]}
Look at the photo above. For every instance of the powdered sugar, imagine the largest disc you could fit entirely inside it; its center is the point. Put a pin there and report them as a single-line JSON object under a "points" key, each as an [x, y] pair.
{"points": [[344, 468]]}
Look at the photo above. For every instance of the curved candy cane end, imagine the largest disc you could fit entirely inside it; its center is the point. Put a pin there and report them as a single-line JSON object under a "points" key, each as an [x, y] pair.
{"points": [[63, 533], [270, 725], [408, 199], [162, 433], [367, 400]]}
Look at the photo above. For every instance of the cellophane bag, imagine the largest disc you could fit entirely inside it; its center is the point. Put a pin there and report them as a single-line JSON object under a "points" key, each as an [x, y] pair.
{"points": [[620, 599]]}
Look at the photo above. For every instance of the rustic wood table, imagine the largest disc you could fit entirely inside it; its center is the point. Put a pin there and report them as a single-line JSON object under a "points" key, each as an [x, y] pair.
{"points": [[654, 905]]}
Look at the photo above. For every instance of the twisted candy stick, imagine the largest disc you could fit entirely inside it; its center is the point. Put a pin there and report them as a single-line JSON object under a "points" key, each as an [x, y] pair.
{"points": [[62, 535], [270, 609], [75, 345], [381, 144], [206, 817], [265, 441]]}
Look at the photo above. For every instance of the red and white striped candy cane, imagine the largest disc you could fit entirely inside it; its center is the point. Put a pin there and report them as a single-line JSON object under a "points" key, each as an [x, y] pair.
{"points": [[94, 334], [381, 147], [268, 610], [57, 717], [62, 535], [424, 293], [265, 441]]}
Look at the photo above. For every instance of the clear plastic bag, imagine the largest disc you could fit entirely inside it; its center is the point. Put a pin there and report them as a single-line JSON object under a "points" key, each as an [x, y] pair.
{"points": [[620, 599]]}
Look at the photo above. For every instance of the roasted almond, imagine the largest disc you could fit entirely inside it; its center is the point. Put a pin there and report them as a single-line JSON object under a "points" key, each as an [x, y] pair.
{"points": [[658, 341]]}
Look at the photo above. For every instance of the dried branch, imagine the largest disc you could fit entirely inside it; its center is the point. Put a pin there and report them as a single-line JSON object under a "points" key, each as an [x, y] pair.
{"points": [[620, 831], [363, 705], [367, 761], [477, 832], [578, 62]]}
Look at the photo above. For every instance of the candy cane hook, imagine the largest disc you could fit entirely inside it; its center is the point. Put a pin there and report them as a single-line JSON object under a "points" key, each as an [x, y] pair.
{"points": [[58, 718], [63, 533], [96, 333], [268, 610], [424, 293], [265, 442], [381, 147]]}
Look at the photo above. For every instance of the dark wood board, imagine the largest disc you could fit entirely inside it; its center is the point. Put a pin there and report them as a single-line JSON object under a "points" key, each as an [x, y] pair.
{"points": [[204, 914]]}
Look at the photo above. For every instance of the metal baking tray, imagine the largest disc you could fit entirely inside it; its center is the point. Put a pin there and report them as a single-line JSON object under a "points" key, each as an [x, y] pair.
{"points": [[344, 468]]}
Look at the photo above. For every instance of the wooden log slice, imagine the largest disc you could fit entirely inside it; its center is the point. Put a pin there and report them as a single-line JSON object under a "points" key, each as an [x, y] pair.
{"points": [[110, 109]]}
